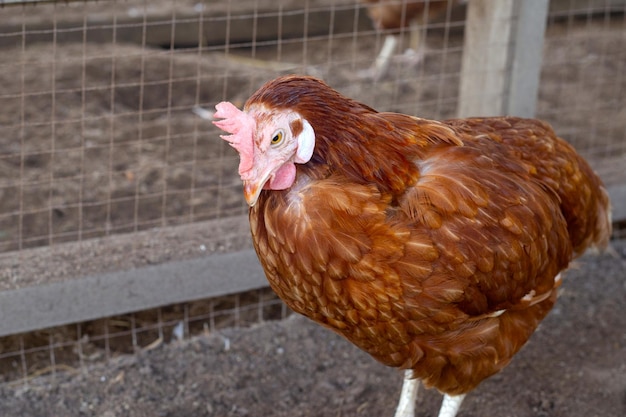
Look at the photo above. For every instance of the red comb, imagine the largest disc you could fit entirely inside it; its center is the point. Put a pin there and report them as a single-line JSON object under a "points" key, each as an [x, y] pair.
{"points": [[242, 127]]}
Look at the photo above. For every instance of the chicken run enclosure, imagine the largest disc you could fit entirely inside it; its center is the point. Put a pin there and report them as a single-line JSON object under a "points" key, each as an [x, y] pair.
{"points": [[128, 282]]}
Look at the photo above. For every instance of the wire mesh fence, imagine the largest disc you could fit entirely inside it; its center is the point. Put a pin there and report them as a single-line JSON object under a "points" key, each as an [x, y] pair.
{"points": [[98, 134], [582, 86], [71, 348]]}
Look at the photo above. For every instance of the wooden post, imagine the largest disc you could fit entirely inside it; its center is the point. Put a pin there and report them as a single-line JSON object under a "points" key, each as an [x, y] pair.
{"points": [[502, 57]]}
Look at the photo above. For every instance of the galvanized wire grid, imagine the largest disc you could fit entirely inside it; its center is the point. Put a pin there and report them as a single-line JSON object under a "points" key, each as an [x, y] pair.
{"points": [[583, 85], [583, 72], [72, 348], [90, 139], [98, 135]]}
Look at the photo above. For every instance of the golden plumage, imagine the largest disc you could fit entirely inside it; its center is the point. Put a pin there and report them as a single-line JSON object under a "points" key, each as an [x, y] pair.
{"points": [[433, 246]]}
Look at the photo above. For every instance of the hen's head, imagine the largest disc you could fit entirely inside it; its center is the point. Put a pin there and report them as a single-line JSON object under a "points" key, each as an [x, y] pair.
{"points": [[269, 141]]}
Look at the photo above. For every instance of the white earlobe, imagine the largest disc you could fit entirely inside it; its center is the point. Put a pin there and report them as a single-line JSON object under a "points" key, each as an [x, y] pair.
{"points": [[306, 143]]}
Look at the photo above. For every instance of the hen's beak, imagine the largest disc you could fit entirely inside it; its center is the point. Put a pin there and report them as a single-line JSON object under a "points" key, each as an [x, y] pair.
{"points": [[251, 191], [252, 188]]}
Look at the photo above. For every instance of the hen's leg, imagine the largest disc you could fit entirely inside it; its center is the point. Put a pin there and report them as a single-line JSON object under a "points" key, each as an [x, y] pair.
{"points": [[416, 51], [406, 405], [380, 66], [450, 405], [412, 56]]}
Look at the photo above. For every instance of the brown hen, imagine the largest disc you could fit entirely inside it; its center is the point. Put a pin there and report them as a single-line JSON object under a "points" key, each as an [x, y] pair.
{"points": [[436, 247]]}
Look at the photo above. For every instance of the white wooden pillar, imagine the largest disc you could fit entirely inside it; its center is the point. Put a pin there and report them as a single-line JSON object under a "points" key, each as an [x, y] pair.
{"points": [[502, 57]]}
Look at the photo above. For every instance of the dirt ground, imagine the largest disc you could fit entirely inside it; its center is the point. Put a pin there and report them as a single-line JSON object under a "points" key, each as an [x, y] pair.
{"points": [[134, 157], [574, 366]]}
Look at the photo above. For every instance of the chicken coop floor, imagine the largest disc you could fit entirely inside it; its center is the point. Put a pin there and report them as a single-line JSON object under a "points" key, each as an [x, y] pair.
{"points": [[574, 366]]}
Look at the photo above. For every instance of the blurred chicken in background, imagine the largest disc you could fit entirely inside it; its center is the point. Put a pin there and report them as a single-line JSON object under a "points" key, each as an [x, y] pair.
{"points": [[393, 17]]}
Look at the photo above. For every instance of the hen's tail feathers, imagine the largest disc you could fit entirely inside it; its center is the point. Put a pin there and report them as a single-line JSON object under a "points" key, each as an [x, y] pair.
{"points": [[602, 232], [597, 233]]}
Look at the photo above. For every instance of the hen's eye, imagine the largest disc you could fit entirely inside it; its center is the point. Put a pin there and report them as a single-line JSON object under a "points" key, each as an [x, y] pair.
{"points": [[278, 137]]}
